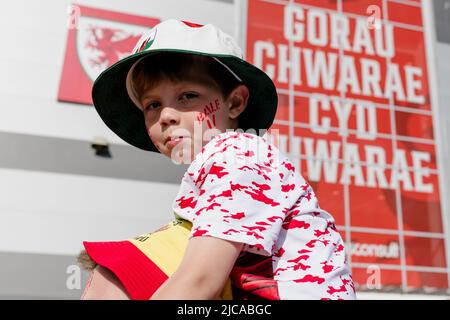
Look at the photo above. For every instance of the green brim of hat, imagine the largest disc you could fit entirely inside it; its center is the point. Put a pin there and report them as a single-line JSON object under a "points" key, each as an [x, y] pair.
{"points": [[120, 114]]}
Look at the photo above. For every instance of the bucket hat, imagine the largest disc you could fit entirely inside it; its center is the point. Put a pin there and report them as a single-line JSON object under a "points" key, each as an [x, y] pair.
{"points": [[116, 103]]}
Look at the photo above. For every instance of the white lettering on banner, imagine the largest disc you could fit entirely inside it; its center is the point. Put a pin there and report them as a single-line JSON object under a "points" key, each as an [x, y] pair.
{"points": [[320, 69], [317, 26], [284, 64], [376, 161], [372, 78], [390, 251], [421, 172], [330, 163], [331, 52], [366, 118], [323, 156], [342, 112], [414, 85], [352, 166], [294, 32], [363, 41], [319, 126], [341, 32], [349, 76], [400, 172], [317, 37], [326, 69], [260, 48], [366, 111], [394, 83]]}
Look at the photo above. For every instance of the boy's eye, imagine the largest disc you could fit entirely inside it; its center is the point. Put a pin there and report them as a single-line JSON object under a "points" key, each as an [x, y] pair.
{"points": [[151, 105], [188, 96]]}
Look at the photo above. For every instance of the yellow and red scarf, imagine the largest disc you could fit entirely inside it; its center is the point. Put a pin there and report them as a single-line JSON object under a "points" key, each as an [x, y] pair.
{"points": [[143, 263]]}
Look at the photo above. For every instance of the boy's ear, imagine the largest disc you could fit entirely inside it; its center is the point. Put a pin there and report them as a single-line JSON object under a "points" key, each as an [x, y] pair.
{"points": [[237, 100]]}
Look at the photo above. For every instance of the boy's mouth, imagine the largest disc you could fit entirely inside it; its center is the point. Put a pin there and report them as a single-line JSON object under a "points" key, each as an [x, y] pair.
{"points": [[172, 141]]}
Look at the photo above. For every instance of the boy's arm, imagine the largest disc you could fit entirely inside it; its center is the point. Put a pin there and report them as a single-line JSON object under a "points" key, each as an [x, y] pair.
{"points": [[203, 271]]}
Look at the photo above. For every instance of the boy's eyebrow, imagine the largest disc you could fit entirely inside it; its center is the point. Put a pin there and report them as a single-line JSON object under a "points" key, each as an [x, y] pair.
{"points": [[144, 98], [148, 95], [184, 83], [152, 95], [178, 86]]}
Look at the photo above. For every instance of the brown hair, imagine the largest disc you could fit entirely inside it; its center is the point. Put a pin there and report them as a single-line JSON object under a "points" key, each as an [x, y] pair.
{"points": [[181, 67], [85, 261]]}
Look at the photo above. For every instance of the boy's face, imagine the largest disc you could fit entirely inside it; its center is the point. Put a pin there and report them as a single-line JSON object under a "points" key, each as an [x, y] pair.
{"points": [[188, 109]]}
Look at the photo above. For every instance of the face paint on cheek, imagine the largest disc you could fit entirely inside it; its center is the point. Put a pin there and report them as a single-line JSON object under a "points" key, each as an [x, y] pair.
{"points": [[209, 110]]}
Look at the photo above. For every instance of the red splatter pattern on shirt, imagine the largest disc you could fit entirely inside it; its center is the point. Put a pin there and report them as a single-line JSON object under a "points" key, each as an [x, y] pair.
{"points": [[242, 188]]}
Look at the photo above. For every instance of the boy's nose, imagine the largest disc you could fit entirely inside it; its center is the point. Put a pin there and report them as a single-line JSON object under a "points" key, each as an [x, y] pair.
{"points": [[168, 115]]}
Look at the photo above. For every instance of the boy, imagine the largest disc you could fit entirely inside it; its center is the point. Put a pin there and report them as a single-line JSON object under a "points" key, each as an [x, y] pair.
{"points": [[254, 219]]}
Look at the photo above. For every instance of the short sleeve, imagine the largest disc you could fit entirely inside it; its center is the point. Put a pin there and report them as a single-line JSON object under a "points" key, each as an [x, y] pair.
{"points": [[241, 197]]}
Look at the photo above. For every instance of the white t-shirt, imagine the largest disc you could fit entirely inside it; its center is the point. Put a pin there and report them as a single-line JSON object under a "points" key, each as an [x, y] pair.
{"points": [[242, 188]]}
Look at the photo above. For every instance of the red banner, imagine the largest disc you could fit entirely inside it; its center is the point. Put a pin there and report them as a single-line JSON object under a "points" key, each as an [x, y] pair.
{"points": [[96, 39], [355, 113]]}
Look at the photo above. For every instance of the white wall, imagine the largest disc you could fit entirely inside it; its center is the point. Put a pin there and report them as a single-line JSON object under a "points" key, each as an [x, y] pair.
{"points": [[52, 213], [33, 35]]}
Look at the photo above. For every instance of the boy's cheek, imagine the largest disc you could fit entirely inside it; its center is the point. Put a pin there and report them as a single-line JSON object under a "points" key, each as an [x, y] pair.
{"points": [[153, 140], [209, 113], [210, 120], [149, 134]]}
